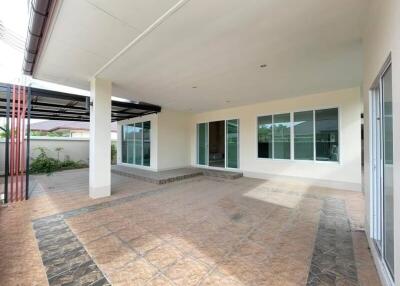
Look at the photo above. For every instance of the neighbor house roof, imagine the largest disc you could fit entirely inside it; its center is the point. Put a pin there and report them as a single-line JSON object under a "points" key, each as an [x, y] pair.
{"points": [[52, 125]]}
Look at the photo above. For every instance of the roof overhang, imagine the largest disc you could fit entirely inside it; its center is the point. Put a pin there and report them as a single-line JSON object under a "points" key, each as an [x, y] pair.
{"points": [[189, 55], [40, 13]]}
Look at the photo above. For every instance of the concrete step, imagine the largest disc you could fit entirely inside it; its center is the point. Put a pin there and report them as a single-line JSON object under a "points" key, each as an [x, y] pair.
{"points": [[168, 176]]}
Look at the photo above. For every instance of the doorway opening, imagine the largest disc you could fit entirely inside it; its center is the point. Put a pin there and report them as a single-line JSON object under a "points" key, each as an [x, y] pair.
{"points": [[382, 215], [216, 149], [218, 144]]}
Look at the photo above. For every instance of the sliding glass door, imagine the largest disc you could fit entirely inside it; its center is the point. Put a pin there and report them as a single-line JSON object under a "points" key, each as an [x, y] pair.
{"points": [[382, 230], [218, 144], [232, 143], [202, 143], [135, 143], [387, 128]]}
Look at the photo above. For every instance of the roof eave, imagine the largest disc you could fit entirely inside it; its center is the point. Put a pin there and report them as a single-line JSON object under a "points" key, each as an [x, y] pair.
{"points": [[40, 14]]}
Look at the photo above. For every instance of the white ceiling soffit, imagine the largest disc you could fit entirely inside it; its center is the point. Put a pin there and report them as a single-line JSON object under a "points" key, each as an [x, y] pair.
{"points": [[216, 46]]}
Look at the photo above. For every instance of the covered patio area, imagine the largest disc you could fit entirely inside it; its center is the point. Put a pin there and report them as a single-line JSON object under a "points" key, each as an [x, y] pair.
{"points": [[199, 231]]}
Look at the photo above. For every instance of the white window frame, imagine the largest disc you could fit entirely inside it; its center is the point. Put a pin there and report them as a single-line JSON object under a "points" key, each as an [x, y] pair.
{"points": [[376, 199], [315, 161], [225, 145], [133, 124]]}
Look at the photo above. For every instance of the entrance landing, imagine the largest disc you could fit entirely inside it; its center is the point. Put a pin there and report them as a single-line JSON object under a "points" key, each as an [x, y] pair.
{"points": [[168, 176]]}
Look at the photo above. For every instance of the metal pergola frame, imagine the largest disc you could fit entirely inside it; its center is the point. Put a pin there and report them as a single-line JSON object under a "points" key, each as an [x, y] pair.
{"points": [[55, 105]]}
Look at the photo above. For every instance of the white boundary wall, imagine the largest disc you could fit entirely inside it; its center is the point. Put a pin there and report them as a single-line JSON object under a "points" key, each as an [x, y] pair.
{"points": [[74, 148]]}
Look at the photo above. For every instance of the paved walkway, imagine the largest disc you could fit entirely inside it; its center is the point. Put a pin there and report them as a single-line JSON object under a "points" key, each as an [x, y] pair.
{"points": [[200, 231]]}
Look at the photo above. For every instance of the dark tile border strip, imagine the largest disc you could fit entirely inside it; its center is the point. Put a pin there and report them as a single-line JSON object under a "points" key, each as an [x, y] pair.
{"points": [[65, 258], [99, 206], [333, 257]]}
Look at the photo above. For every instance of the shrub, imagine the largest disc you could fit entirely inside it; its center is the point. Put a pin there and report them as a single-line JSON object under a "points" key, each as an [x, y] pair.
{"points": [[113, 154], [45, 164]]}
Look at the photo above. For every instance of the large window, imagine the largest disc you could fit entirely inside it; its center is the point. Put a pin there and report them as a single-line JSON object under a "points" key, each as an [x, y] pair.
{"points": [[146, 143], [265, 137], [303, 125], [135, 143], [327, 134], [282, 136], [232, 142], [312, 135]]}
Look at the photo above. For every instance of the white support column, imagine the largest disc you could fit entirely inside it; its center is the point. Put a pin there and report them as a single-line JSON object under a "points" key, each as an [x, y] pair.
{"points": [[100, 138]]}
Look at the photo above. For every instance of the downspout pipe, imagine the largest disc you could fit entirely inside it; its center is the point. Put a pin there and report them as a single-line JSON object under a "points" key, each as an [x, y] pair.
{"points": [[38, 19]]}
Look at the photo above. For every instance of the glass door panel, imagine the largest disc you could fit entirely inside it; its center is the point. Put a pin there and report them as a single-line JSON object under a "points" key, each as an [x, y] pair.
{"points": [[146, 143], [377, 175], [382, 220], [232, 143], [130, 138], [124, 145], [138, 143], [387, 123], [202, 143]]}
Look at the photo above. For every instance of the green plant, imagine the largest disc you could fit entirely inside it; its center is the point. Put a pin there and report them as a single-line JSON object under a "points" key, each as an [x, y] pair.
{"points": [[3, 132], [113, 154], [45, 164], [58, 150]]}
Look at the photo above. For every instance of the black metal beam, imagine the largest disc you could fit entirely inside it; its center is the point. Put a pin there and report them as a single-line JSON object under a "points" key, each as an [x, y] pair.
{"points": [[48, 104], [57, 94], [141, 106], [59, 111]]}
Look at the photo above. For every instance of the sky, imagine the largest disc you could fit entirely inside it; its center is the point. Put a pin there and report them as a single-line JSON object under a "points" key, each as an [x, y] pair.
{"points": [[14, 16]]}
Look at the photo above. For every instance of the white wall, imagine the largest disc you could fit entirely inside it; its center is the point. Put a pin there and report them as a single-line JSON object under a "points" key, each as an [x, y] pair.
{"points": [[382, 38], [346, 174], [169, 140], [174, 140]]}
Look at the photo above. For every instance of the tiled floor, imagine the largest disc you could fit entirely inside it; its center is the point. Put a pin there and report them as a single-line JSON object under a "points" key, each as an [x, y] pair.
{"points": [[200, 231]]}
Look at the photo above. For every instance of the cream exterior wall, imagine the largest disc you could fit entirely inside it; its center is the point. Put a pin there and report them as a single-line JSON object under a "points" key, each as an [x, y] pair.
{"points": [[382, 38], [169, 140], [174, 140], [345, 174]]}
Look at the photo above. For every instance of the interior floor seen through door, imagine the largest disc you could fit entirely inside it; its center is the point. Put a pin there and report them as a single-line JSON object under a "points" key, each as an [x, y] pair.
{"points": [[216, 147]]}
